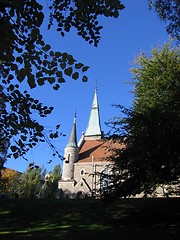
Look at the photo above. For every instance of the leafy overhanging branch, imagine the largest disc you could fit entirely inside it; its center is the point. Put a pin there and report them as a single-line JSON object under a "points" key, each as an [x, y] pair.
{"points": [[82, 15], [18, 127], [168, 11], [24, 56], [24, 53]]}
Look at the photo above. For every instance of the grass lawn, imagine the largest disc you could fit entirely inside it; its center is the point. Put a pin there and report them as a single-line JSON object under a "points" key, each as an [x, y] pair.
{"points": [[125, 219]]}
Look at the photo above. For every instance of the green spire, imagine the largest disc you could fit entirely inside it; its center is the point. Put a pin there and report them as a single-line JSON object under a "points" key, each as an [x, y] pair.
{"points": [[73, 138], [94, 127]]}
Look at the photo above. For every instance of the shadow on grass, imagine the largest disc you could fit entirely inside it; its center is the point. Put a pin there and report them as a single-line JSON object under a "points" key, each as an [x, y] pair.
{"points": [[125, 219]]}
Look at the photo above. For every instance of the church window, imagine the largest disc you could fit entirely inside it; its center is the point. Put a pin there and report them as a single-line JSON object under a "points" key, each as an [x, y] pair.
{"points": [[82, 172], [81, 184], [67, 159]]}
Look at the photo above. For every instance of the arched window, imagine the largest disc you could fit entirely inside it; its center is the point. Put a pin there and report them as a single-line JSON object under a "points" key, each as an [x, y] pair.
{"points": [[67, 159], [82, 172]]}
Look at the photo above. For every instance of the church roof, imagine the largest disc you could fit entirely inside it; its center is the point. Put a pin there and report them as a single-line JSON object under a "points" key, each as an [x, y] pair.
{"points": [[73, 137], [96, 151], [92, 145], [94, 127]]}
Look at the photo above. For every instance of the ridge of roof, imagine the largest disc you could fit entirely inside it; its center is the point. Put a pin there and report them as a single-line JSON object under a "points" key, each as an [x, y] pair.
{"points": [[97, 150]]}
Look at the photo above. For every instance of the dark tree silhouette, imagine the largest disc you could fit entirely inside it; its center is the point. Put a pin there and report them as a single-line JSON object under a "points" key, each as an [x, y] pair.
{"points": [[25, 56], [151, 129]]}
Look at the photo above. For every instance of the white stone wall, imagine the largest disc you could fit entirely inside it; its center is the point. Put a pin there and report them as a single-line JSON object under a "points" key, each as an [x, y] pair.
{"points": [[66, 188], [90, 172], [70, 155]]}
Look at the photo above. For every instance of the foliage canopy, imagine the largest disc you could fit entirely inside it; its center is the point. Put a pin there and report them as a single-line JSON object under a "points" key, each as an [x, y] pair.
{"points": [[168, 11], [25, 56], [151, 129], [9, 181]]}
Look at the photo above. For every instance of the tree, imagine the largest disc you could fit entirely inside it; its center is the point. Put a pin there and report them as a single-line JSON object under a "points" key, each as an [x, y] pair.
{"points": [[9, 180], [50, 186], [4, 143], [56, 173], [31, 181], [168, 11], [24, 56], [151, 129]]}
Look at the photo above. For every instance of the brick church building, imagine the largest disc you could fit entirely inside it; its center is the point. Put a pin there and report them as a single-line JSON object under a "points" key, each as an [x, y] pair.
{"points": [[86, 160]]}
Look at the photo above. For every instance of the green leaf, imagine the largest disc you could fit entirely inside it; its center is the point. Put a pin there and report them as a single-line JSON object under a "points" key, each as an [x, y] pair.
{"points": [[79, 65], [13, 148], [51, 80], [61, 80], [68, 71], [23, 137], [84, 79], [116, 14], [75, 75], [34, 33], [62, 34], [59, 74], [70, 59], [15, 155], [21, 74], [19, 59], [56, 135], [57, 54], [63, 65], [39, 128], [51, 108], [14, 67], [51, 135], [35, 139], [10, 77], [121, 7], [85, 68], [39, 74], [41, 81], [56, 87], [64, 56], [11, 87], [31, 81], [51, 53], [58, 126], [47, 47]]}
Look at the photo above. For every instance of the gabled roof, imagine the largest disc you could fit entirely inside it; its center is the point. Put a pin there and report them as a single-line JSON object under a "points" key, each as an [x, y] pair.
{"points": [[82, 185], [96, 151]]}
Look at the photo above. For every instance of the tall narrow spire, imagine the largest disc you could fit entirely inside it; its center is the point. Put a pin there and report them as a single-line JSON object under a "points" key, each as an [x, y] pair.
{"points": [[94, 126], [73, 138]]}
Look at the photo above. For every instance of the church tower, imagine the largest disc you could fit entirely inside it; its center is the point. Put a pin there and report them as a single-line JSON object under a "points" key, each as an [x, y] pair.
{"points": [[71, 153], [93, 131], [83, 162]]}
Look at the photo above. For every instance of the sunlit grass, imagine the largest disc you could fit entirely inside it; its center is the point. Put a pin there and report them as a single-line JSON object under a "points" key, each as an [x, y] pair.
{"points": [[4, 212]]}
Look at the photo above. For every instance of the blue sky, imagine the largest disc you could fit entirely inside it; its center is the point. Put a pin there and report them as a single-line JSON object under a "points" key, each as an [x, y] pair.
{"points": [[137, 29]]}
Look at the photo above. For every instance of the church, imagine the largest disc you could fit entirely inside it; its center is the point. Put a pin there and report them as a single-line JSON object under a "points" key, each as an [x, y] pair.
{"points": [[86, 160], [86, 163]]}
